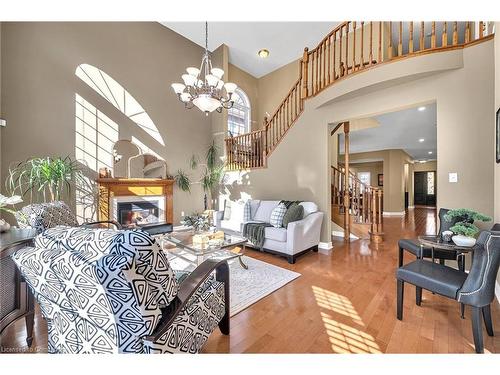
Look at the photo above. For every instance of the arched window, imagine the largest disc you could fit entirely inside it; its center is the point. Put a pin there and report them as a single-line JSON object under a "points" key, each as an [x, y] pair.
{"points": [[238, 117]]}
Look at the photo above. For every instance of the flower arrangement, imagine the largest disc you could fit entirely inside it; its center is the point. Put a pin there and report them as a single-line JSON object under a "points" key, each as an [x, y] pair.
{"points": [[464, 221], [199, 222]]}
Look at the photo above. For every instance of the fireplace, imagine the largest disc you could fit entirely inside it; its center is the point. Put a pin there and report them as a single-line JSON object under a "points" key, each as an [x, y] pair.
{"points": [[133, 201], [131, 211]]}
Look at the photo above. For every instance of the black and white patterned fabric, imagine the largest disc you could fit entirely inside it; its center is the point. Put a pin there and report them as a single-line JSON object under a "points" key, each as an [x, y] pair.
{"points": [[277, 215], [247, 211], [41, 216], [102, 291]]}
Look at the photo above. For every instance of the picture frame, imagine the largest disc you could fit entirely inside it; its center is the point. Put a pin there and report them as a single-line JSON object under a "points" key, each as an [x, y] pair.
{"points": [[497, 136], [380, 179]]}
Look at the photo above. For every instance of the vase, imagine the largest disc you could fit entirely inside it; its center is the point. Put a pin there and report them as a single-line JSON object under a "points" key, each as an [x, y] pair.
{"points": [[4, 226], [464, 241]]}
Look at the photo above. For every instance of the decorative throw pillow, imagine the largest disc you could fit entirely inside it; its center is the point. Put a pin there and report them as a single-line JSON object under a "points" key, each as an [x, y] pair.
{"points": [[277, 216], [227, 210], [294, 213], [247, 211]]}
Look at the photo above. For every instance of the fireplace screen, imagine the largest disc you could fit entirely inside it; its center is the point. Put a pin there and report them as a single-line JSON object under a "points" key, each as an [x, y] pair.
{"points": [[136, 213]]}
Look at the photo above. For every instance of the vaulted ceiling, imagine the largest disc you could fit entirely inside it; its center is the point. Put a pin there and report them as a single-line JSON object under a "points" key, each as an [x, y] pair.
{"points": [[284, 40]]}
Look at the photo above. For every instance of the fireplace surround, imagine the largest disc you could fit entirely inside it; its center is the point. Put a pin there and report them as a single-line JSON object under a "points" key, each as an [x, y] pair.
{"points": [[136, 200]]}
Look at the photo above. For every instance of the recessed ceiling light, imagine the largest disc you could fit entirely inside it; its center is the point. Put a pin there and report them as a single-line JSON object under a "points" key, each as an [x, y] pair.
{"points": [[421, 140], [421, 109], [430, 152], [422, 161], [263, 53]]}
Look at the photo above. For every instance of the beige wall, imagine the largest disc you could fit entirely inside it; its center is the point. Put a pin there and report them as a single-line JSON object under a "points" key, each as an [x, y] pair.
{"points": [[425, 167], [273, 88], [460, 81], [39, 85], [393, 166], [374, 168], [250, 85]]}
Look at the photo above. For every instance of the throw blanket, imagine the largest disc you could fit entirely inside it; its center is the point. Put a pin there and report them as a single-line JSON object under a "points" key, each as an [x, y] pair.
{"points": [[288, 204], [254, 232]]}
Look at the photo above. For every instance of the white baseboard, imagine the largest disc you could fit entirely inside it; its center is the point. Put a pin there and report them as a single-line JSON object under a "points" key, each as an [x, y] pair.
{"points": [[391, 213], [325, 247], [338, 233], [497, 291]]}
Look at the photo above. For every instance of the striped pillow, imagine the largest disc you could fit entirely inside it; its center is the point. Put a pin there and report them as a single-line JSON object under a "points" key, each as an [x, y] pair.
{"points": [[277, 216], [247, 212]]}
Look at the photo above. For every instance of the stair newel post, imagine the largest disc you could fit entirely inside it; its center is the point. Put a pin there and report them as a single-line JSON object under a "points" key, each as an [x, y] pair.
{"points": [[347, 205], [305, 73]]}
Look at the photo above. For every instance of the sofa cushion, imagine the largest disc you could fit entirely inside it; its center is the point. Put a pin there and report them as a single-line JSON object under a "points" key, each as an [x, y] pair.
{"points": [[309, 208], [264, 211], [247, 211], [227, 210], [142, 253], [277, 216], [294, 213], [254, 205], [233, 225], [276, 234]]}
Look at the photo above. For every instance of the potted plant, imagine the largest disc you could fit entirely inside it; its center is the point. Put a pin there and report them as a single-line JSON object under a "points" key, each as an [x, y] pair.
{"points": [[44, 179], [464, 229], [213, 173]]}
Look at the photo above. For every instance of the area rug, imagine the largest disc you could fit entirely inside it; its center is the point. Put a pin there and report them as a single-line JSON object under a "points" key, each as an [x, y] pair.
{"points": [[260, 280], [249, 286]]}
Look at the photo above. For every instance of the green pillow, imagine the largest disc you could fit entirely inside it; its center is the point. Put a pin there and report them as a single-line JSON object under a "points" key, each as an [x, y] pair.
{"points": [[294, 213]]}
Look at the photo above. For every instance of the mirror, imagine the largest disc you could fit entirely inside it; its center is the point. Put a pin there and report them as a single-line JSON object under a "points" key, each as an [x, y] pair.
{"points": [[131, 162]]}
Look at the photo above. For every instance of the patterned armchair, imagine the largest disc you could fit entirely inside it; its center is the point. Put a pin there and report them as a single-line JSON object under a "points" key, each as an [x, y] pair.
{"points": [[41, 216], [107, 291]]}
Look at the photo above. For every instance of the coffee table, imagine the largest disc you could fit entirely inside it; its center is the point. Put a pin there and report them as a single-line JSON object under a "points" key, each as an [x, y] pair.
{"points": [[180, 245]]}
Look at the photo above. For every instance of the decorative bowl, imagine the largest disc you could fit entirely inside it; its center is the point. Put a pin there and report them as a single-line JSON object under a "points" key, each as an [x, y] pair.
{"points": [[464, 241]]}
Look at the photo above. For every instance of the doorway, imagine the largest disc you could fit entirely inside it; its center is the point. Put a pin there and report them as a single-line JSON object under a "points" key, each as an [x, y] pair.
{"points": [[425, 188]]}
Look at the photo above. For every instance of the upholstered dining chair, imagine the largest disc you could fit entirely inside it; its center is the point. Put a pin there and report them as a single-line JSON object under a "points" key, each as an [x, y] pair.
{"points": [[476, 289], [41, 216], [413, 245], [108, 291]]}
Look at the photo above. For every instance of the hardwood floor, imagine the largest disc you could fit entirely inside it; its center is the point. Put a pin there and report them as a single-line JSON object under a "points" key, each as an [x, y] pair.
{"points": [[344, 302]]}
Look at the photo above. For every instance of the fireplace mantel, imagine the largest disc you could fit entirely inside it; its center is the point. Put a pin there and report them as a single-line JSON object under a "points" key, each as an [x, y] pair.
{"points": [[141, 187]]}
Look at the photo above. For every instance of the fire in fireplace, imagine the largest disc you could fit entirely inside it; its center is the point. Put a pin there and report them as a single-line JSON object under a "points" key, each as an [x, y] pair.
{"points": [[137, 213]]}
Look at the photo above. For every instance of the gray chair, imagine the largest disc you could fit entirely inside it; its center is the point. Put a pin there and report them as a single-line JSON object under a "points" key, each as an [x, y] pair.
{"points": [[476, 289], [42, 216], [413, 245]]}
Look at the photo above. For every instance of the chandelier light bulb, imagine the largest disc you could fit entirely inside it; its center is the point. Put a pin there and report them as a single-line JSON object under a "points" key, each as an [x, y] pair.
{"points": [[193, 71], [217, 72], [188, 79], [230, 87], [178, 87]]}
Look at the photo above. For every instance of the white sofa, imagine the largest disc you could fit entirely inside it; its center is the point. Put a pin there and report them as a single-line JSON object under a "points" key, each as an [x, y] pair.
{"points": [[298, 238]]}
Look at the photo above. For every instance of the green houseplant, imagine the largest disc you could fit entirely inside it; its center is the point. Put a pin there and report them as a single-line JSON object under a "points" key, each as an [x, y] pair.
{"points": [[464, 229], [212, 175], [43, 179]]}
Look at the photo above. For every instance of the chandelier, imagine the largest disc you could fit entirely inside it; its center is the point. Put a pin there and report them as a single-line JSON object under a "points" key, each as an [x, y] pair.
{"points": [[204, 87]]}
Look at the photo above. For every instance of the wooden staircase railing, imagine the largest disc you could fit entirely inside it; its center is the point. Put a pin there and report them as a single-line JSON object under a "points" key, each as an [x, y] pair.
{"points": [[350, 48], [365, 201]]}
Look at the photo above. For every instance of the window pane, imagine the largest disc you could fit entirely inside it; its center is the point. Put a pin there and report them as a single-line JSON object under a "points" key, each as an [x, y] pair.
{"points": [[238, 119], [430, 183]]}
